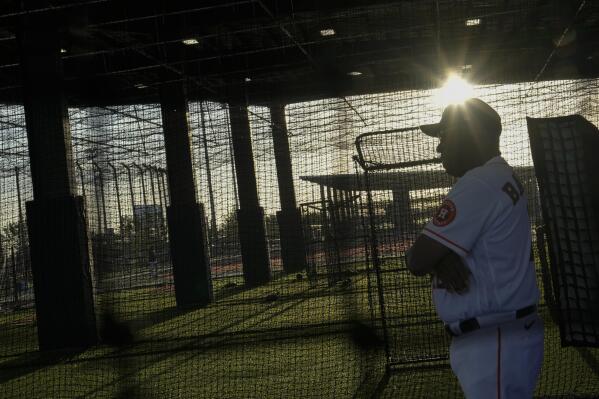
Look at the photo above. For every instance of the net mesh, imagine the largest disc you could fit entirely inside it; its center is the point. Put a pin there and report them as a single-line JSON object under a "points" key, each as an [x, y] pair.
{"points": [[16, 282], [405, 184], [329, 331], [562, 149]]}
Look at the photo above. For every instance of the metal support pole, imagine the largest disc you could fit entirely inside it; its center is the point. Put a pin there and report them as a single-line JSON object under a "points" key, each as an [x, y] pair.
{"points": [[164, 216], [323, 211], [163, 175], [118, 197], [97, 200], [153, 189], [163, 193], [101, 200], [161, 227], [293, 252], [15, 287], [353, 211], [213, 228], [121, 255], [345, 200], [336, 202], [131, 193], [55, 217], [157, 173], [20, 228], [250, 216], [21, 231], [135, 231], [142, 222], [324, 229], [81, 176], [143, 215], [143, 184], [333, 258], [232, 154], [98, 239], [187, 233], [154, 213]]}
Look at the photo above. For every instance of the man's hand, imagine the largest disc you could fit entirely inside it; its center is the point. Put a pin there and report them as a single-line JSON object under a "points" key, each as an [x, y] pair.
{"points": [[453, 274]]}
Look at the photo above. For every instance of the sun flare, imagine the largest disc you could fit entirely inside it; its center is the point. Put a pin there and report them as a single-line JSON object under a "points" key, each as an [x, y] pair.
{"points": [[454, 91]]}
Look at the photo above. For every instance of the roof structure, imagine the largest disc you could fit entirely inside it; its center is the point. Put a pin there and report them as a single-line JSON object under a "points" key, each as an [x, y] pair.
{"points": [[260, 51]]}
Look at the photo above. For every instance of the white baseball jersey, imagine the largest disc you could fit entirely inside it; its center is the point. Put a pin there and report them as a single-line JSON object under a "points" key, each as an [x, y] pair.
{"points": [[484, 219]]}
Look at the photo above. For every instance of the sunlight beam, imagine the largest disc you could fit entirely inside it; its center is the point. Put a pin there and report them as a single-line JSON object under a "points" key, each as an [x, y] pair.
{"points": [[455, 90]]}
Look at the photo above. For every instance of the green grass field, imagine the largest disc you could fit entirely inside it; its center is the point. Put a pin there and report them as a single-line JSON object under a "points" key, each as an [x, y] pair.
{"points": [[242, 346], [286, 339]]}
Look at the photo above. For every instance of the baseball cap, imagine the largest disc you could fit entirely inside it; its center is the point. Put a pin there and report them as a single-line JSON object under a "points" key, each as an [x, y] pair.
{"points": [[473, 114]]}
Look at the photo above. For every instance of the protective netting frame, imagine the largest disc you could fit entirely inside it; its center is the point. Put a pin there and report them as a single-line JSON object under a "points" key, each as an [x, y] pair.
{"points": [[386, 251], [406, 373], [562, 149]]}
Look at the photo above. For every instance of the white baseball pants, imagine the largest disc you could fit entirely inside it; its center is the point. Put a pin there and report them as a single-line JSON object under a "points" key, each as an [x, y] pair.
{"points": [[501, 362]]}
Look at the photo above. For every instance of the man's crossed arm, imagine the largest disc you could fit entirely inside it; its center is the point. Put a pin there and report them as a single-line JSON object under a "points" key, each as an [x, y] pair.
{"points": [[427, 256]]}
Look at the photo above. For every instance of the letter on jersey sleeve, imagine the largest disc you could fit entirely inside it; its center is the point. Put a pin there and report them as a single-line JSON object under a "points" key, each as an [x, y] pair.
{"points": [[459, 221]]}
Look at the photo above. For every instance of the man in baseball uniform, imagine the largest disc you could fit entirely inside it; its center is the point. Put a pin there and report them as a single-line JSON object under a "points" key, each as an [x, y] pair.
{"points": [[478, 250]]}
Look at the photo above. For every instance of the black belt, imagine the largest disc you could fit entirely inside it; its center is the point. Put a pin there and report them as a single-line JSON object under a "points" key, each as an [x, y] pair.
{"points": [[472, 324]]}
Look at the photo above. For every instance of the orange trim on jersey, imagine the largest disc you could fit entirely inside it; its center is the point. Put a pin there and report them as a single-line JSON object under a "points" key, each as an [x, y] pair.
{"points": [[446, 239]]}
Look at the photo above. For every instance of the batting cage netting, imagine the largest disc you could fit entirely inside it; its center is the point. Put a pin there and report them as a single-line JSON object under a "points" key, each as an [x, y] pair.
{"points": [[563, 149], [405, 183], [340, 317]]}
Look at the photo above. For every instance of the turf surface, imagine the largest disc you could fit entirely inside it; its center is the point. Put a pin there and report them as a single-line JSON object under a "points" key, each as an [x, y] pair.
{"points": [[290, 338]]}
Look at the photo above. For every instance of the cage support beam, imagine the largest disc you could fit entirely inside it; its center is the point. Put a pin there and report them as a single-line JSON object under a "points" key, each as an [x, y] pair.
{"points": [[250, 215], [58, 242], [185, 217], [293, 251]]}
